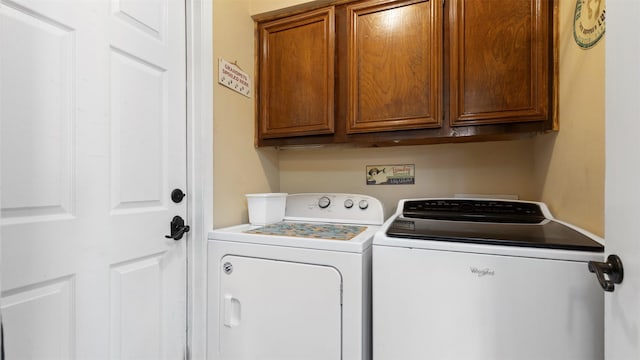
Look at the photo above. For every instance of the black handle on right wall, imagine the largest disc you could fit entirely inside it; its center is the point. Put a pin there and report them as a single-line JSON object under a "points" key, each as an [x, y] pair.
{"points": [[613, 270]]}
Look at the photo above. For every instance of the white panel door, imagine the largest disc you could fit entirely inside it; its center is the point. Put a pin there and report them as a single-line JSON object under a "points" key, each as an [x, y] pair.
{"points": [[279, 310], [446, 305], [93, 126], [622, 193]]}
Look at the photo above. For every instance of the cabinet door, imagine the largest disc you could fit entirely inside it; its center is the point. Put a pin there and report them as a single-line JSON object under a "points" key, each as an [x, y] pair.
{"points": [[394, 61], [279, 310], [499, 63], [296, 65]]}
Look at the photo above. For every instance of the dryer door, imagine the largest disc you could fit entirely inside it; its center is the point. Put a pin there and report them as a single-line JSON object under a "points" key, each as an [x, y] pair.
{"points": [[279, 310]]}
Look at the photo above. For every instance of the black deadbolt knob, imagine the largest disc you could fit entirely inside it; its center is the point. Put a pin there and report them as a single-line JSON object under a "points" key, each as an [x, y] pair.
{"points": [[177, 195]]}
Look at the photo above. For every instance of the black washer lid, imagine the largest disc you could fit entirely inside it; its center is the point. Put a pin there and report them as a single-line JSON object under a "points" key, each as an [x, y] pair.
{"points": [[512, 224]]}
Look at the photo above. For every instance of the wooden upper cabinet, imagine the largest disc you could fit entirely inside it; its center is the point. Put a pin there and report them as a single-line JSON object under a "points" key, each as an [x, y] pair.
{"points": [[389, 72], [394, 61], [296, 75], [499, 61]]}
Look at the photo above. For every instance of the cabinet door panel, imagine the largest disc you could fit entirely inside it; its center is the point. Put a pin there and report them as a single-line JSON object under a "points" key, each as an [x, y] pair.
{"points": [[297, 75], [499, 61], [394, 65]]}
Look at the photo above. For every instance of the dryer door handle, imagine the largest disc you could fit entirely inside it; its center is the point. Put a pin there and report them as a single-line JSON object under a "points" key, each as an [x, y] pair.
{"points": [[231, 311]]}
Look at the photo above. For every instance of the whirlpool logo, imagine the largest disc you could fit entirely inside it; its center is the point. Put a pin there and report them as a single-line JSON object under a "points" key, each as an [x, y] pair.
{"points": [[482, 272]]}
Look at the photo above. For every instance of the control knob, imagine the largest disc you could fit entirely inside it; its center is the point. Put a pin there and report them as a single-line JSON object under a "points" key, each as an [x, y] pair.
{"points": [[348, 203], [324, 202], [363, 204]]}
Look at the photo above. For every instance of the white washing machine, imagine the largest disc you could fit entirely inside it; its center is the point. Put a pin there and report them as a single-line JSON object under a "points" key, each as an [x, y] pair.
{"points": [[295, 290], [478, 279]]}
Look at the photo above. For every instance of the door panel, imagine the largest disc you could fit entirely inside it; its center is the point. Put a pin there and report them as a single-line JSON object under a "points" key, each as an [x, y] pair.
{"points": [[145, 16], [135, 311], [138, 176], [91, 91], [43, 173], [622, 315], [279, 310], [46, 316]]}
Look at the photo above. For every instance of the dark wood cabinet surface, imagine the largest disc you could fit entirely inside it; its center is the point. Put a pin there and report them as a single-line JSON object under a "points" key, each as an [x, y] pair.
{"points": [[499, 61], [296, 84], [394, 67], [406, 72]]}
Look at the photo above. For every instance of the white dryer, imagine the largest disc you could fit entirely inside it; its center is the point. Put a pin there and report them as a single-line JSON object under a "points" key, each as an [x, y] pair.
{"points": [[298, 289]]}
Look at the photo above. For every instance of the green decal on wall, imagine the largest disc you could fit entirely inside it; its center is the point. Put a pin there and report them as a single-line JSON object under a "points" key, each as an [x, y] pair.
{"points": [[588, 22]]}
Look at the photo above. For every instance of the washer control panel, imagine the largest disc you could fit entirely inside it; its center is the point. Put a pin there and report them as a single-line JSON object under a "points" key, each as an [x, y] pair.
{"points": [[334, 207], [325, 201]]}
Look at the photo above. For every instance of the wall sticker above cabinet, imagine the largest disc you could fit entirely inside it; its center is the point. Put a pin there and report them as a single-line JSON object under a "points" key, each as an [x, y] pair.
{"points": [[391, 174], [232, 76], [589, 22]]}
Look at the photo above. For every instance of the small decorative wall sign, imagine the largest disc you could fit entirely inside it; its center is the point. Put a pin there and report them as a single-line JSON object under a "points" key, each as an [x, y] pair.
{"points": [[588, 22], [231, 76], [391, 174]]}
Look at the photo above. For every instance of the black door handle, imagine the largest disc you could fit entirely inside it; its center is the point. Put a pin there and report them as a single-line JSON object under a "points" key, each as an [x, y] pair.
{"points": [[178, 228], [613, 269]]}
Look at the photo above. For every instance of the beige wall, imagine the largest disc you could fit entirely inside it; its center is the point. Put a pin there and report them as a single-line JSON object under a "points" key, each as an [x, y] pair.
{"points": [[569, 165], [566, 170], [260, 6], [238, 167], [441, 170]]}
